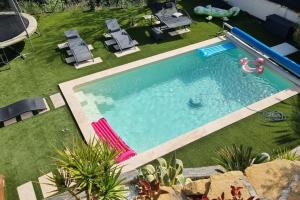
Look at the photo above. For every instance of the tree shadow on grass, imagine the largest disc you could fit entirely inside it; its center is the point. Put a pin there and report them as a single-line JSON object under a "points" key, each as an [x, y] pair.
{"points": [[11, 53], [288, 132], [295, 116], [142, 35]]}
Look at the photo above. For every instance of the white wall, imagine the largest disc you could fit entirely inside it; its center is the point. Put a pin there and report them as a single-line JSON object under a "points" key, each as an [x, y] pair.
{"points": [[263, 8]]}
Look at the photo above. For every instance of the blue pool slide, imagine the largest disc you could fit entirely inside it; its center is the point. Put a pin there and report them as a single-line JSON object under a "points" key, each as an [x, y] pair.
{"points": [[208, 51], [280, 59]]}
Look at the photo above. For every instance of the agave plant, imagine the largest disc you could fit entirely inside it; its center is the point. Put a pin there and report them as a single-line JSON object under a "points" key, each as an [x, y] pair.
{"points": [[90, 169], [286, 154], [239, 157], [167, 174]]}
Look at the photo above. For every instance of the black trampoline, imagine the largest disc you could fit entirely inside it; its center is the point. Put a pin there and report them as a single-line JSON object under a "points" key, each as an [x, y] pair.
{"points": [[11, 26], [15, 27]]}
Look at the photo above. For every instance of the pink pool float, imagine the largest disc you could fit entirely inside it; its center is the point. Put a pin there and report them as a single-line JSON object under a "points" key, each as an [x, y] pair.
{"points": [[107, 134], [253, 65]]}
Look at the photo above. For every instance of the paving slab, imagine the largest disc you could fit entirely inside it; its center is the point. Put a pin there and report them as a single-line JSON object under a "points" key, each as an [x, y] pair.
{"points": [[26, 115], [48, 188], [57, 100], [62, 45], [285, 49], [127, 52], [26, 191], [179, 32], [88, 63], [148, 16], [10, 121]]}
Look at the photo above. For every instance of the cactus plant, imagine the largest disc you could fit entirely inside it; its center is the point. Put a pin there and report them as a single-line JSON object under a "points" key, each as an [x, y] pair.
{"points": [[166, 174]]}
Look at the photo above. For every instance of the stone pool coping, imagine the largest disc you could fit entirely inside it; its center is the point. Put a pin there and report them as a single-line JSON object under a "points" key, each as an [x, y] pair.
{"points": [[88, 133]]}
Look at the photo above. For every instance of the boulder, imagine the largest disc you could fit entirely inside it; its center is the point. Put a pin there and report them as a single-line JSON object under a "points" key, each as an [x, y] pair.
{"points": [[295, 192], [168, 193], [222, 183], [271, 178], [197, 187]]}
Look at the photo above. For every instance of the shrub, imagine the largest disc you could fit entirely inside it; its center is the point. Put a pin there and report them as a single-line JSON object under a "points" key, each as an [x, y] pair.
{"points": [[91, 169], [239, 157], [286, 154], [31, 7], [297, 36]]}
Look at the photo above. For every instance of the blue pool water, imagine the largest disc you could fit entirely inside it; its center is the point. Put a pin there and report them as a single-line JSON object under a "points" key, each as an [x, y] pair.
{"points": [[160, 101]]}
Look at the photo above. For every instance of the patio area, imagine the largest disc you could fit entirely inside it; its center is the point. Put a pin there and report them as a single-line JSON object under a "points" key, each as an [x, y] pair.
{"points": [[26, 147]]}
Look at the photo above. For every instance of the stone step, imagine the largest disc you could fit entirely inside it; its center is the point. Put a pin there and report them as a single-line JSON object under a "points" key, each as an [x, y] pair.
{"points": [[193, 173], [26, 191], [47, 186]]}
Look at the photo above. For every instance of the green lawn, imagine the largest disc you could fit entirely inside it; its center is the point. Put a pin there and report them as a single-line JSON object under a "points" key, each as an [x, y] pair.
{"points": [[25, 148], [253, 131]]}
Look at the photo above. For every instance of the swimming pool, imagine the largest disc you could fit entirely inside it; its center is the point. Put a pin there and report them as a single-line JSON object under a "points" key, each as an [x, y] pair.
{"points": [[154, 103]]}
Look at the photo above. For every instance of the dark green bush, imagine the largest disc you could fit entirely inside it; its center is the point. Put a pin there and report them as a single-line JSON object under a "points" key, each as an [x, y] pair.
{"points": [[39, 6]]}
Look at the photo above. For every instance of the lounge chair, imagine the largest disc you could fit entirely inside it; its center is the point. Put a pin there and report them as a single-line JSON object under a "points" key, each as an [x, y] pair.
{"points": [[121, 40], [79, 52], [169, 16], [72, 33], [112, 25], [14, 110], [78, 48]]}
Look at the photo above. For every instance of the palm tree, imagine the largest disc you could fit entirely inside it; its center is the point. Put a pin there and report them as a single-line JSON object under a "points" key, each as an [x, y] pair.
{"points": [[90, 169]]}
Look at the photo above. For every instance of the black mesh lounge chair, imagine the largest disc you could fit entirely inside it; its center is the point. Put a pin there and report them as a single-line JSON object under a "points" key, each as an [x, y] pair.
{"points": [[121, 39], [14, 110], [79, 50], [72, 33], [169, 16], [112, 25]]}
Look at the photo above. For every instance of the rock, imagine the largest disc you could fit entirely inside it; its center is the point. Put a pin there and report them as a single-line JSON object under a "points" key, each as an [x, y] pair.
{"points": [[177, 188], [197, 187], [222, 183], [271, 178], [297, 150], [295, 192], [168, 193]]}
